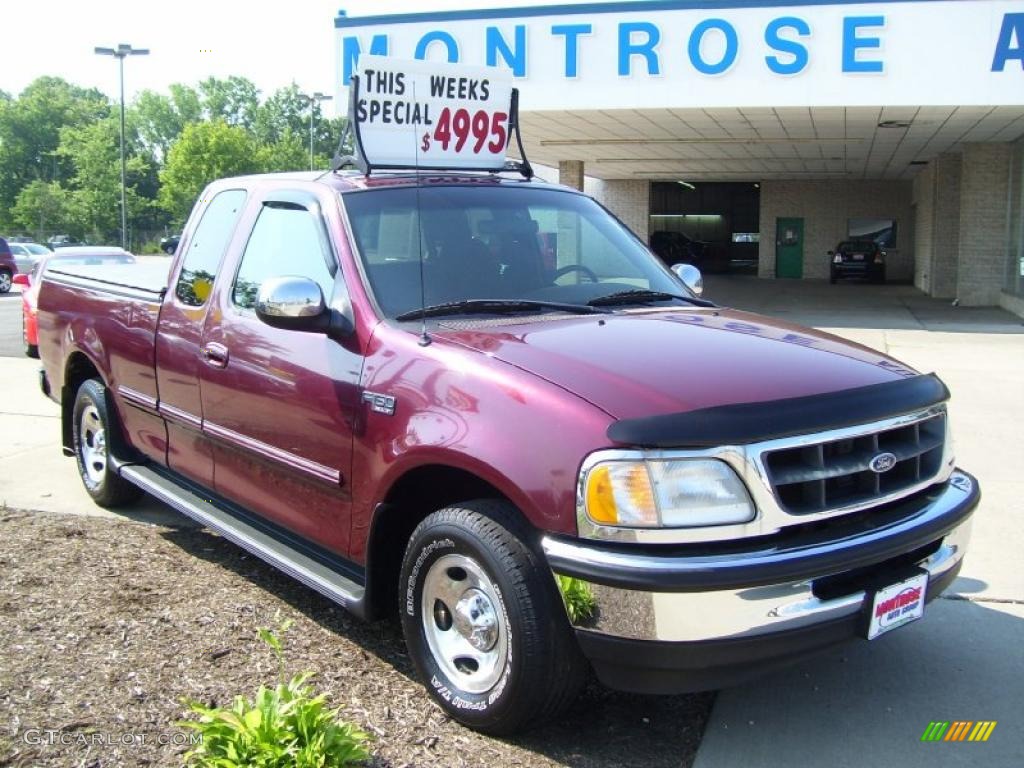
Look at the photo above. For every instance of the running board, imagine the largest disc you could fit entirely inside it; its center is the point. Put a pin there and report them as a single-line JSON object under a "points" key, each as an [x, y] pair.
{"points": [[296, 564]]}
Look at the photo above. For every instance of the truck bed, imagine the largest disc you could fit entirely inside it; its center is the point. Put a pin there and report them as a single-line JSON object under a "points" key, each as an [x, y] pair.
{"points": [[148, 276]]}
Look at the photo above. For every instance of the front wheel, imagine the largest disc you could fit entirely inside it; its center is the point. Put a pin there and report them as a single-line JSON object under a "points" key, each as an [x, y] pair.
{"points": [[91, 430], [483, 621], [6, 281]]}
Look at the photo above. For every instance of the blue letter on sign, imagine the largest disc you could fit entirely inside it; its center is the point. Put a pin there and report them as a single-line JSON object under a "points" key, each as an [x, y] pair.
{"points": [[797, 50], [496, 44], [852, 42], [437, 36], [572, 44], [350, 50], [732, 46], [1005, 50], [628, 49]]}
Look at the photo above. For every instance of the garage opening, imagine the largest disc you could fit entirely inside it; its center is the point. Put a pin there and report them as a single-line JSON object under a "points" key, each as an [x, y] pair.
{"points": [[713, 225]]}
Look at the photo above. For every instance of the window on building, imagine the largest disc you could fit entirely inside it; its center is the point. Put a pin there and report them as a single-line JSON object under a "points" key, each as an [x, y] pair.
{"points": [[882, 232]]}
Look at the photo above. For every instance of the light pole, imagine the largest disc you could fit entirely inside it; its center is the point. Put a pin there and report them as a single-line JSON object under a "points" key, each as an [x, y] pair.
{"points": [[119, 53], [313, 100]]}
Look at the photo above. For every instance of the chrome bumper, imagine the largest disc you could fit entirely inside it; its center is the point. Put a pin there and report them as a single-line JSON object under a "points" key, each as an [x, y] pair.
{"points": [[707, 613]]}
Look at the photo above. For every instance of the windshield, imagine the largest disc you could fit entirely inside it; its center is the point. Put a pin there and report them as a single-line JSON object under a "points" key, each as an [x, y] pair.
{"points": [[37, 250], [501, 242]]}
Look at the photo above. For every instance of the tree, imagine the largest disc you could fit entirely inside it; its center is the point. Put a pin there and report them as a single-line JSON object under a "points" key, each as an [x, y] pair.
{"points": [[159, 119], [234, 100], [41, 206], [94, 203], [289, 153], [284, 110], [204, 152], [30, 131]]}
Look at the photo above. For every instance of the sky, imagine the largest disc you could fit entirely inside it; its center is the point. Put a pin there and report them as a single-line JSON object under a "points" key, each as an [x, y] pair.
{"points": [[272, 44]]}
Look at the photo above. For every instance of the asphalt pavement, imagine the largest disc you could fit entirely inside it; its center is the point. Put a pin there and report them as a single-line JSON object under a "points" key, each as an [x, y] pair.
{"points": [[864, 703]]}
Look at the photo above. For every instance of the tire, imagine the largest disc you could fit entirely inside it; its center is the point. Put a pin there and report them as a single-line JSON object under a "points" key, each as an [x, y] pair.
{"points": [[832, 279], [31, 350], [503, 656], [91, 426], [6, 280]]}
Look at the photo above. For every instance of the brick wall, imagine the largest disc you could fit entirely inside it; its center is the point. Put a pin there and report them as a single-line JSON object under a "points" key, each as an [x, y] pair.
{"points": [[825, 207], [946, 240], [628, 199], [984, 189], [923, 197]]}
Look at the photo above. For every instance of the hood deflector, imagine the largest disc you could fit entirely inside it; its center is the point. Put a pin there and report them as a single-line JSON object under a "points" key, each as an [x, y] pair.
{"points": [[754, 422]]}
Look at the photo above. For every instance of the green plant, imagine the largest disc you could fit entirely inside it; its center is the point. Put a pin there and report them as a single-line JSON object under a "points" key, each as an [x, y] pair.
{"points": [[287, 726], [578, 597]]}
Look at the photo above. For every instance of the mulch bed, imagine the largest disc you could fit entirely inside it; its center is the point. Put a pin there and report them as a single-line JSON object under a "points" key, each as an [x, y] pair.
{"points": [[106, 626]]}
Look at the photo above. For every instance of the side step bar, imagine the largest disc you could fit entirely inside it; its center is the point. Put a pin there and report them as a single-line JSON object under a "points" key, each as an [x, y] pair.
{"points": [[313, 574]]}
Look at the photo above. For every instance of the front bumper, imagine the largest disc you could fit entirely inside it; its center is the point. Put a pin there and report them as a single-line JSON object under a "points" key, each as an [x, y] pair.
{"points": [[698, 617]]}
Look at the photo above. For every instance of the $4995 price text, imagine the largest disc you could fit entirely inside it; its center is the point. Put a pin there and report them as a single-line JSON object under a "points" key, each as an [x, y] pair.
{"points": [[461, 126]]}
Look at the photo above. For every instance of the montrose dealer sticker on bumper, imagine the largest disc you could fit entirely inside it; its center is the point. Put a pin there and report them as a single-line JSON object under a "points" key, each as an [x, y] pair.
{"points": [[897, 605]]}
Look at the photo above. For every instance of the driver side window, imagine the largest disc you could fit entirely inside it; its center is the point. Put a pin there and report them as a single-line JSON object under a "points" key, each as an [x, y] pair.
{"points": [[287, 240]]}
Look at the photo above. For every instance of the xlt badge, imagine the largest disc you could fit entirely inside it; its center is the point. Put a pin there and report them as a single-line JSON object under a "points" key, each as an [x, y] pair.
{"points": [[380, 403]]}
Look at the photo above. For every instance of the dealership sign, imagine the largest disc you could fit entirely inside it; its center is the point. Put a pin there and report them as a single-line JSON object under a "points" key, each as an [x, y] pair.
{"points": [[416, 114], [664, 54]]}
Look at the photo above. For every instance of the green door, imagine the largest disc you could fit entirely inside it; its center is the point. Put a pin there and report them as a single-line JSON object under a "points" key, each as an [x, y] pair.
{"points": [[789, 248]]}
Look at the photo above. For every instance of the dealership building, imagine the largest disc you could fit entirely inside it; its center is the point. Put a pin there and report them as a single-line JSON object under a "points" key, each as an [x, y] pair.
{"points": [[771, 130]]}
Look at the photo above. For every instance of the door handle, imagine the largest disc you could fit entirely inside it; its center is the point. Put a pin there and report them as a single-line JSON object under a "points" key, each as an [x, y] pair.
{"points": [[215, 355]]}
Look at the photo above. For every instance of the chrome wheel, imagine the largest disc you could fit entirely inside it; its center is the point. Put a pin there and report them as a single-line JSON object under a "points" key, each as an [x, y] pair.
{"points": [[463, 623], [92, 444], [5, 282]]}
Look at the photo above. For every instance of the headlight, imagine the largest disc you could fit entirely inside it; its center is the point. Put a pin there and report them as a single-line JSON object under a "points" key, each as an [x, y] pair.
{"points": [[665, 493], [838, 258]]}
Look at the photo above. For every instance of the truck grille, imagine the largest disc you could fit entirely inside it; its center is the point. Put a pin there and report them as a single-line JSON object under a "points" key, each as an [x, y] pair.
{"points": [[837, 473]]}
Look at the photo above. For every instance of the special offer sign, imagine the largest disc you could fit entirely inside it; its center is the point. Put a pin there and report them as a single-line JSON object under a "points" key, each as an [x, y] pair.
{"points": [[420, 114]]}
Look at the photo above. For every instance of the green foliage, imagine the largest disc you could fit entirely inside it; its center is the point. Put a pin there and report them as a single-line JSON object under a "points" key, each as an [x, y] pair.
{"points": [[286, 726], [234, 100], [204, 152], [60, 151], [41, 206], [578, 597]]}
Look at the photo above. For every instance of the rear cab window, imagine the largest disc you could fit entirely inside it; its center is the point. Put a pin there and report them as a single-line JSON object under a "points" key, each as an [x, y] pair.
{"points": [[206, 247]]}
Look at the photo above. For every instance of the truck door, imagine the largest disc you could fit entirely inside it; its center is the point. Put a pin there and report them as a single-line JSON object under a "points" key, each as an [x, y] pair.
{"points": [[178, 353], [280, 404]]}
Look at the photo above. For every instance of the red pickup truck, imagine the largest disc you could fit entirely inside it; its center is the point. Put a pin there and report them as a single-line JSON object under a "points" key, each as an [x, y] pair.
{"points": [[434, 393]]}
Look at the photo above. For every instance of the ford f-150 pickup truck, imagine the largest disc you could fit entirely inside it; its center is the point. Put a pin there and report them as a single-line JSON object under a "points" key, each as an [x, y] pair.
{"points": [[481, 402]]}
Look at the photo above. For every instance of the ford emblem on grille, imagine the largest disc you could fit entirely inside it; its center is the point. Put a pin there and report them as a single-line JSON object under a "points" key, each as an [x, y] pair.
{"points": [[883, 462]]}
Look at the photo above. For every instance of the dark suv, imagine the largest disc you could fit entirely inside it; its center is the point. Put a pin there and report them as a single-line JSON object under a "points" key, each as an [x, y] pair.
{"points": [[8, 269], [857, 258]]}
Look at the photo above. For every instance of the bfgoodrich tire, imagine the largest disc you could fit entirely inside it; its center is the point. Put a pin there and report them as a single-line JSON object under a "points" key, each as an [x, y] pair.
{"points": [[483, 623], [92, 430]]}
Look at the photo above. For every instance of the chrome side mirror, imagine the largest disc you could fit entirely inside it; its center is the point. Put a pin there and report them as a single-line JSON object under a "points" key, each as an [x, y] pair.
{"points": [[294, 304], [690, 276]]}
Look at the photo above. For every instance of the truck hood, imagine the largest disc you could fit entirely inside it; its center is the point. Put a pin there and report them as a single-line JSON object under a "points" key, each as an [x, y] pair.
{"points": [[644, 363]]}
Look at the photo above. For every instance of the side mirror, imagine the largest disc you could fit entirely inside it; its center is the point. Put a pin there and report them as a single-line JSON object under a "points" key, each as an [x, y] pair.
{"points": [[294, 304], [21, 279], [690, 277], [831, 253]]}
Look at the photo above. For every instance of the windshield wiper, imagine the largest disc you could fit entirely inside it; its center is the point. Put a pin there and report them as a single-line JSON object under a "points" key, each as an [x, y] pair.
{"points": [[495, 306], [643, 296]]}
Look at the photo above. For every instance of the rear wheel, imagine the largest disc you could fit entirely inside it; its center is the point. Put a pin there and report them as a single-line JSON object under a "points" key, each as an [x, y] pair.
{"points": [[483, 622], [92, 429], [6, 280]]}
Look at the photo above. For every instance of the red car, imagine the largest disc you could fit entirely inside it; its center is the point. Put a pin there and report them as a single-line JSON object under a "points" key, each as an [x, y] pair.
{"points": [[29, 283]]}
